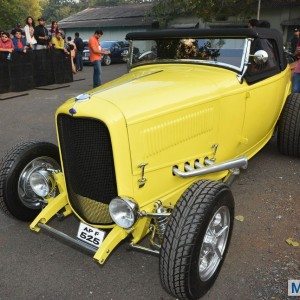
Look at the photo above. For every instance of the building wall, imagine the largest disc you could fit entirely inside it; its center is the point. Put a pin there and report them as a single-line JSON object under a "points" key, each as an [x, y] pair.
{"points": [[109, 34], [186, 22]]}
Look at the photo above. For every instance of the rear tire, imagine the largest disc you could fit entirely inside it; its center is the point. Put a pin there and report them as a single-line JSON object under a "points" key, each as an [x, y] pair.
{"points": [[191, 254], [12, 166], [288, 138]]}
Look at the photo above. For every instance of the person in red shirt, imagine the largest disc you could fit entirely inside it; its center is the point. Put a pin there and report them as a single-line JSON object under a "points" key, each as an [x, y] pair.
{"points": [[296, 71], [96, 55], [6, 45]]}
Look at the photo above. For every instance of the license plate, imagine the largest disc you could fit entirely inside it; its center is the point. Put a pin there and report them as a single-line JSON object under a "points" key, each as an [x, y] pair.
{"points": [[85, 58], [90, 235]]}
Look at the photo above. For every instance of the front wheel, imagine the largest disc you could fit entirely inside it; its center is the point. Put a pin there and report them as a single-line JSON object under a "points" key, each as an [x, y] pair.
{"points": [[16, 195], [196, 239], [106, 60]]}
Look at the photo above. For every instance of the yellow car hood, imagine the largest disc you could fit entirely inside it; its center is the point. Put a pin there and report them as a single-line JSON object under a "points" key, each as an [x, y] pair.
{"points": [[149, 91]]}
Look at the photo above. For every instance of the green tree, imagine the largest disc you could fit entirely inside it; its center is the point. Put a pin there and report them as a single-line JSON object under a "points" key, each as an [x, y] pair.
{"points": [[32, 8], [163, 10], [14, 11], [93, 3], [10, 14], [60, 9], [208, 10]]}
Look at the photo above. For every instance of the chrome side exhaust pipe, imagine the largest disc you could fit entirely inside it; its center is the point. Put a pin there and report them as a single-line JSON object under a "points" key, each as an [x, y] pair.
{"points": [[241, 162], [144, 249]]}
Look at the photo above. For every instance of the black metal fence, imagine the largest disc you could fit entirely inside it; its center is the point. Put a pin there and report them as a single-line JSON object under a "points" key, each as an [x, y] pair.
{"points": [[25, 71]]}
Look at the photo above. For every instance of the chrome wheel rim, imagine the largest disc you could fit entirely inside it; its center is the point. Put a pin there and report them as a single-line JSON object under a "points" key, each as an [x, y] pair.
{"points": [[107, 60], [25, 192], [214, 243]]}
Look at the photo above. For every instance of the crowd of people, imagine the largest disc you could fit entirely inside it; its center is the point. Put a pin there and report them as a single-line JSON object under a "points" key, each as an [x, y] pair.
{"points": [[37, 37], [295, 50]]}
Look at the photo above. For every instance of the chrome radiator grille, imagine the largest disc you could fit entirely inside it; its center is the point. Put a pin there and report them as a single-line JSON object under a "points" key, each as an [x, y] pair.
{"points": [[88, 167]]}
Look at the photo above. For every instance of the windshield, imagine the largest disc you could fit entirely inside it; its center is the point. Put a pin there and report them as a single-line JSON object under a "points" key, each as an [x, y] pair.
{"points": [[106, 44], [227, 52]]}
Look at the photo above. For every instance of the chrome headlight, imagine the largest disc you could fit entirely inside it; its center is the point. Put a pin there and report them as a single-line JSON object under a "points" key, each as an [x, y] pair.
{"points": [[41, 182], [125, 53], [123, 211]]}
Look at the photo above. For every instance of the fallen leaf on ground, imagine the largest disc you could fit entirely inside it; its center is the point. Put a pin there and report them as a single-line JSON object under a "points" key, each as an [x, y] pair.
{"points": [[240, 218], [292, 242]]}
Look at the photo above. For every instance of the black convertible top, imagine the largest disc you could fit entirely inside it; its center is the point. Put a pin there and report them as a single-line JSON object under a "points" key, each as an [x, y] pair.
{"points": [[263, 33], [196, 33]]}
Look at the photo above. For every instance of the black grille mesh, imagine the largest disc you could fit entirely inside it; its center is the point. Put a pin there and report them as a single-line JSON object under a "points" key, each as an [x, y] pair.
{"points": [[88, 166]]}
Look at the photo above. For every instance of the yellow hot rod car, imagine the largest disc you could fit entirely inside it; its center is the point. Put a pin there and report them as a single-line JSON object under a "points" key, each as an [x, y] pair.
{"points": [[150, 156]]}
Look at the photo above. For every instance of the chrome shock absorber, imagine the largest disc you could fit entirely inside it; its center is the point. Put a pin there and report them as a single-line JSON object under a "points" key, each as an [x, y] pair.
{"points": [[160, 222]]}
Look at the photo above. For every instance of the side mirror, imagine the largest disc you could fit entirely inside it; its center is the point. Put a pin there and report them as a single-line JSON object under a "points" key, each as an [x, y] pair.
{"points": [[260, 57], [289, 57]]}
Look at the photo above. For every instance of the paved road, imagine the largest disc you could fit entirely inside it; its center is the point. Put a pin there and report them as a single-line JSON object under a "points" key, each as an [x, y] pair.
{"points": [[258, 265]]}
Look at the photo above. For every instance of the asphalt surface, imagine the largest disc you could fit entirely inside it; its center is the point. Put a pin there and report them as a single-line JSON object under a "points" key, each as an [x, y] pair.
{"points": [[258, 264]]}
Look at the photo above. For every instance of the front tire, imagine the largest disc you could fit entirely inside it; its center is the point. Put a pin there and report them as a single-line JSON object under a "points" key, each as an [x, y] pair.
{"points": [[288, 138], [106, 60], [196, 239], [16, 196]]}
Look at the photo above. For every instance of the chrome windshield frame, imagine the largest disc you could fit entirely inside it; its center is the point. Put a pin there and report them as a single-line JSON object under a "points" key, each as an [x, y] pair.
{"points": [[245, 61]]}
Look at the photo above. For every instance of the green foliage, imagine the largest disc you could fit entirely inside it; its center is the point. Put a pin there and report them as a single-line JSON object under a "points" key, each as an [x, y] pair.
{"points": [[93, 3], [60, 9], [32, 8], [10, 14], [166, 10], [14, 11]]}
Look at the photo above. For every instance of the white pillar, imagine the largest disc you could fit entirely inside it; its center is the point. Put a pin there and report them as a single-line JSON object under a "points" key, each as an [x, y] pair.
{"points": [[258, 10]]}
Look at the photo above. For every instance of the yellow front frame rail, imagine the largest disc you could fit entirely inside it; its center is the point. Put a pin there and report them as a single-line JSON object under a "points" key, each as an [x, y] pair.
{"points": [[59, 203], [54, 205]]}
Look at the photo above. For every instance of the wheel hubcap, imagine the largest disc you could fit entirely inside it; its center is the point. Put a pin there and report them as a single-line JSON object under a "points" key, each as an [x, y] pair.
{"points": [[26, 194], [107, 60], [214, 243]]}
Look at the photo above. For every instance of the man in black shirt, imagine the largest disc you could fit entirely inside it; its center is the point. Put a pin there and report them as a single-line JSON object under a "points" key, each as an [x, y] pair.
{"points": [[18, 27], [41, 35], [80, 47], [295, 40]]}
